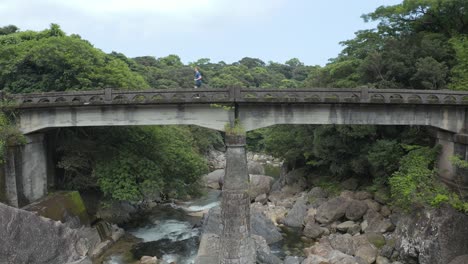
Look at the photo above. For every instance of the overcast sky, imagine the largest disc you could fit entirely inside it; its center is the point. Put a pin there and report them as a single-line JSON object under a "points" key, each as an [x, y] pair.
{"points": [[272, 30]]}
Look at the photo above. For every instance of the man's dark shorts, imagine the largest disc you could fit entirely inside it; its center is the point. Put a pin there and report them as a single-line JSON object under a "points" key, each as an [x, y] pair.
{"points": [[198, 84]]}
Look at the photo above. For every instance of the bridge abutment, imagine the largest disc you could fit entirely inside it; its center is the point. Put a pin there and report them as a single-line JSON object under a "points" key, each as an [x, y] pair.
{"points": [[237, 246], [25, 171], [453, 145]]}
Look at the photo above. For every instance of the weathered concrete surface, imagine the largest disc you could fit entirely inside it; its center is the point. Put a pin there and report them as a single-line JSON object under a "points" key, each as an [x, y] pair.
{"points": [[28, 238], [26, 171], [450, 118], [452, 145], [203, 115], [237, 247]]}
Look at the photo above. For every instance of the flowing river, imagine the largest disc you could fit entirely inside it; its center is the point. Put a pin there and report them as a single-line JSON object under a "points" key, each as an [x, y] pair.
{"points": [[172, 231], [169, 231]]}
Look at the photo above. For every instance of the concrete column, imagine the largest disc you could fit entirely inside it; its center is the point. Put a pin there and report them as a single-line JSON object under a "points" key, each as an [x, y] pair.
{"points": [[453, 145], [26, 171], [10, 173], [237, 247]]}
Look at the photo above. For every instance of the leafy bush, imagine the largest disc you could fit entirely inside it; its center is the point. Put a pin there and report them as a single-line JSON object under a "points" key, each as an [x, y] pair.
{"points": [[415, 181]]}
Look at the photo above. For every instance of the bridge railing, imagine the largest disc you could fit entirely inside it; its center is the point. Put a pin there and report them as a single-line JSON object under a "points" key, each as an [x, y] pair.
{"points": [[115, 96], [356, 95], [242, 95]]}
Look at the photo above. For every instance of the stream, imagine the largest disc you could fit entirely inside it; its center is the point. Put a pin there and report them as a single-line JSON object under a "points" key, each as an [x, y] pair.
{"points": [[172, 231]]}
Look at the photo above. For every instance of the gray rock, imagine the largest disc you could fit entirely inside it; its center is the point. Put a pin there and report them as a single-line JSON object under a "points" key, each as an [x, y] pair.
{"points": [[360, 260], [376, 239], [460, 260], [263, 226], [433, 236], [313, 230], [332, 210], [295, 216], [373, 205], [148, 260], [262, 198], [85, 260], [260, 244], [343, 243], [382, 260], [317, 192], [338, 257], [345, 226], [347, 194], [387, 251], [356, 209], [385, 211], [293, 260], [118, 212], [315, 259], [317, 202], [28, 238], [377, 223], [255, 167], [367, 252], [259, 184], [362, 195], [354, 230], [268, 258], [212, 180], [322, 249]]}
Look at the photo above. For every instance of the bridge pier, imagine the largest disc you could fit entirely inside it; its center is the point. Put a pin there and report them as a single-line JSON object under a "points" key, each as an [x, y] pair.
{"points": [[453, 145], [237, 247], [25, 171]]}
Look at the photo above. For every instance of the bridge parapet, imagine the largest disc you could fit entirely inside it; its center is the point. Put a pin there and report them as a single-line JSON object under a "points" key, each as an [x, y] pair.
{"points": [[239, 95], [114, 96], [356, 95]]}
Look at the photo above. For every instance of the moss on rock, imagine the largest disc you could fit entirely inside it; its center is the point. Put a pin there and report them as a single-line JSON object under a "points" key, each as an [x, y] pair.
{"points": [[61, 206]]}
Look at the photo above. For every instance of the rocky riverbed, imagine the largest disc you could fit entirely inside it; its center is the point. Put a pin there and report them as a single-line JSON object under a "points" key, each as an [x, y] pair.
{"points": [[304, 223]]}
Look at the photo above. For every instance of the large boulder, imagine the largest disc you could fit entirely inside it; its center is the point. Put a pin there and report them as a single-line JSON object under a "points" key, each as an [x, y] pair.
{"points": [[262, 226], [367, 252], [65, 206], [356, 209], [28, 238], [332, 210], [213, 179], [117, 212], [313, 230], [433, 236], [259, 184], [216, 160], [296, 216], [255, 167], [317, 192], [376, 223]]}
